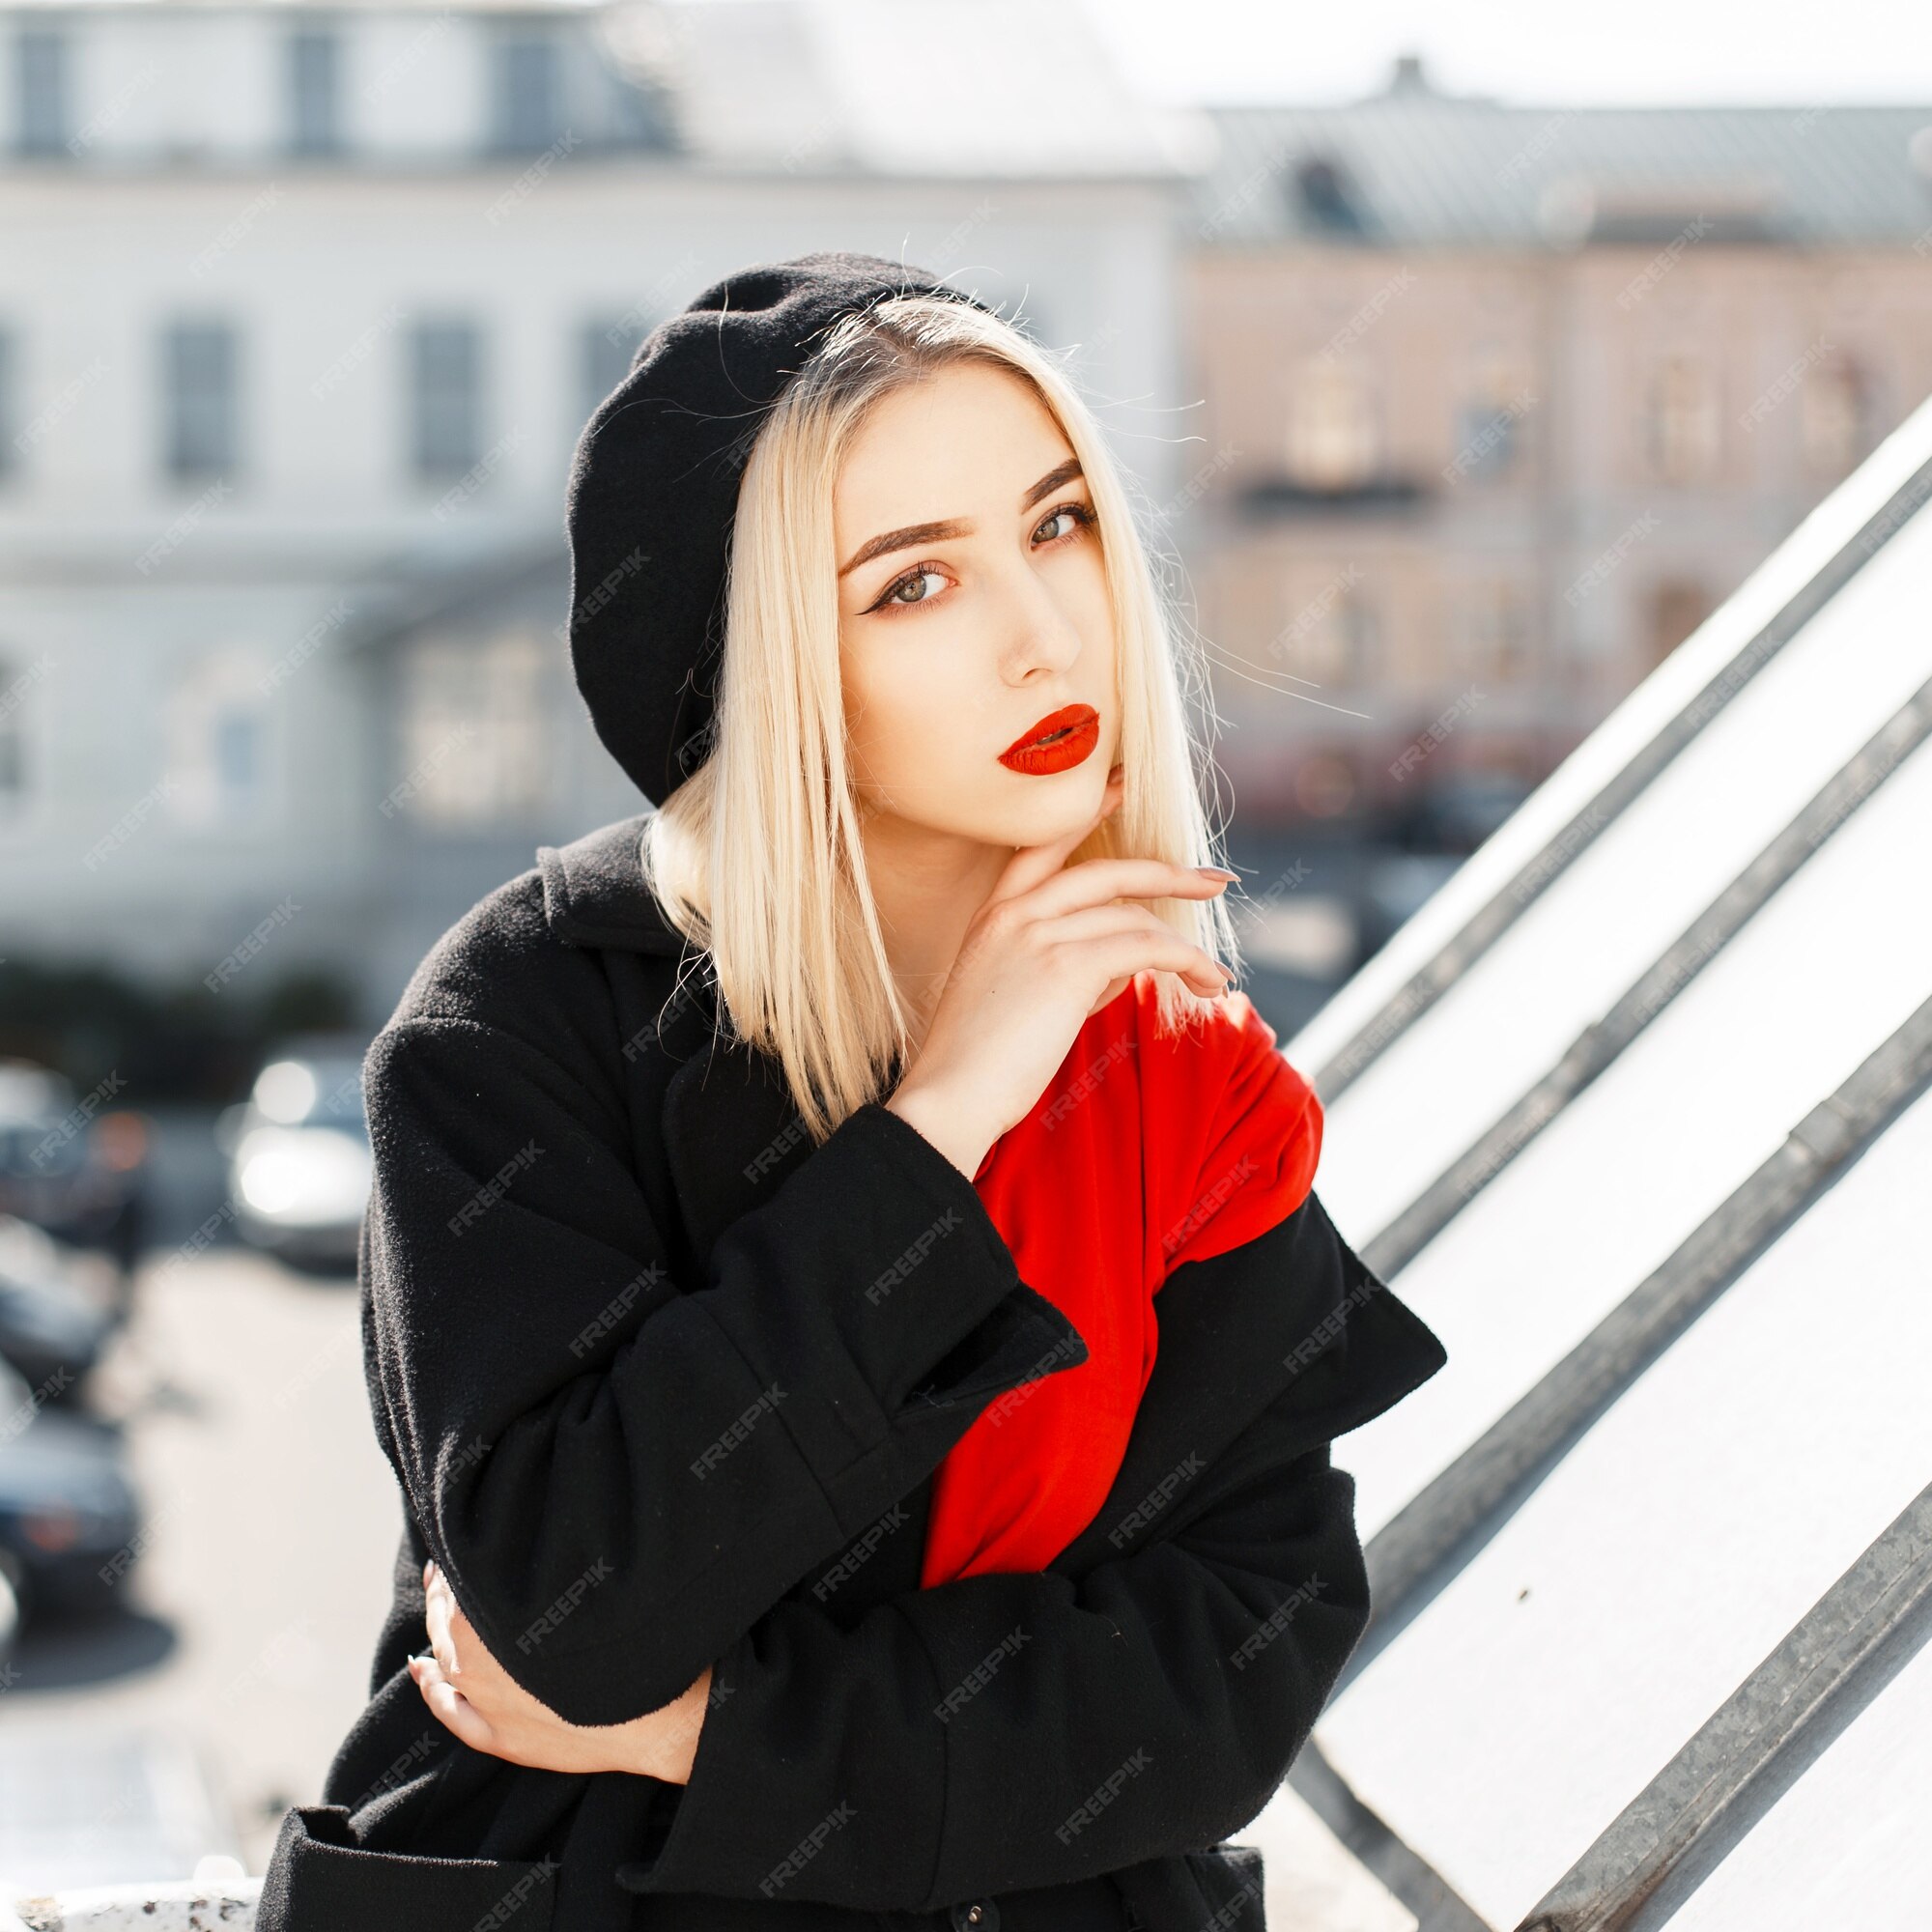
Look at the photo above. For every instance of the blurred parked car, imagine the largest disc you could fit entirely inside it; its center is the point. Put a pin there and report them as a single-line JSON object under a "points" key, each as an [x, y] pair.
{"points": [[51, 1329], [1395, 886], [79, 1172], [298, 1154], [9, 1614], [69, 1518], [1456, 813]]}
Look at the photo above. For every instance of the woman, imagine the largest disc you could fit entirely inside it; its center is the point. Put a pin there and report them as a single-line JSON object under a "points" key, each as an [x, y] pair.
{"points": [[807, 1521]]}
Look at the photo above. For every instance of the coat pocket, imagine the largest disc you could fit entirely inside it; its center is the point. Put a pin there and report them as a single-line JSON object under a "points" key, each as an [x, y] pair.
{"points": [[1216, 1891], [320, 1880], [1231, 1882]]}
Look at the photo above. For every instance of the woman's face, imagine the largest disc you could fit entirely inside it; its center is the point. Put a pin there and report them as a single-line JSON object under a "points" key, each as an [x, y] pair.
{"points": [[972, 605]]}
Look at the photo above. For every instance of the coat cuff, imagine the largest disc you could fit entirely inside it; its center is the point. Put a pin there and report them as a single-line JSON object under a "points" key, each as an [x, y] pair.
{"points": [[928, 1332]]}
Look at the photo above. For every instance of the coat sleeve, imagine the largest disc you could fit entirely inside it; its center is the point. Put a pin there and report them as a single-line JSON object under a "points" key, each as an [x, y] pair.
{"points": [[1142, 1697], [619, 1472]]}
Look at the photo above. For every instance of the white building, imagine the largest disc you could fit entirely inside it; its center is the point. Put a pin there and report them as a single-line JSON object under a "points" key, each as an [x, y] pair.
{"points": [[301, 313]]}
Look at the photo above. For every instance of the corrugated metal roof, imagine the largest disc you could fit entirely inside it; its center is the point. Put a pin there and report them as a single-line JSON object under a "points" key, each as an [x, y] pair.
{"points": [[1421, 167], [1636, 1113]]}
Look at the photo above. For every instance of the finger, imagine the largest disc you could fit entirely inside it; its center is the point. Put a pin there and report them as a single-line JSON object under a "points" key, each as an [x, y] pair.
{"points": [[454, 1712], [1099, 921], [1093, 913], [1030, 864], [471, 1653], [438, 1603], [1204, 974], [1112, 954], [1095, 881], [450, 1708]]}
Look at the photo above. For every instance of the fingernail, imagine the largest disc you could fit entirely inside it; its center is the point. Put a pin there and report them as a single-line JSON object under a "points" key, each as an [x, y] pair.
{"points": [[1216, 872]]}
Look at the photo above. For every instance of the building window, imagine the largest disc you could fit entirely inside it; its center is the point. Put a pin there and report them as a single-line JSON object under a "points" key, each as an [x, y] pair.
{"points": [[1837, 416], [10, 378], [604, 352], [527, 94], [1485, 440], [216, 727], [473, 732], [1333, 439], [1681, 421], [40, 103], [200, 400], [16, 681], [1331, 636], [315, 92], [1326, 200], [445, 398], [236, 737], [1490, 421], [1491, 634], [1676, 608]]}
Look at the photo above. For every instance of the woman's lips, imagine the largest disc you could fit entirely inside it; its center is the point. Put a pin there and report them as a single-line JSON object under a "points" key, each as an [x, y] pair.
{"points": [[1060, 740]]}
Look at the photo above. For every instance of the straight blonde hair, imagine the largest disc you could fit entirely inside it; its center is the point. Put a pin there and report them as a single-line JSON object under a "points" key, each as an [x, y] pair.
{"points": [[756, 857]]}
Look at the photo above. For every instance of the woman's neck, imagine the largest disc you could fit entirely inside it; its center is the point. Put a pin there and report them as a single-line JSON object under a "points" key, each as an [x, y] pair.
{"points": [[927, 886]]}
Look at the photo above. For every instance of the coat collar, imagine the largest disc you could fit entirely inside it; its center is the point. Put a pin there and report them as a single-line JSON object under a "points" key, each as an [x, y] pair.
{"points": [[731, 1131], [595, 892]]}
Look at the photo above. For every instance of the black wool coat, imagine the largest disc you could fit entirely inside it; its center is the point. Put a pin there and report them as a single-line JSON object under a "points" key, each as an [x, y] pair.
{"points": [[665, 1385]]}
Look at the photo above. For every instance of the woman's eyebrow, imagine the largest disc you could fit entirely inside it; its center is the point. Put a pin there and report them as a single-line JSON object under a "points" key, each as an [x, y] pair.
{"points": [[921, 533]]}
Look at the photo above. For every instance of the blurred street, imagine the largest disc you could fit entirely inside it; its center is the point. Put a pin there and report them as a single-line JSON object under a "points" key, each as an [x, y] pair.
{"points": [[247, 1619]]}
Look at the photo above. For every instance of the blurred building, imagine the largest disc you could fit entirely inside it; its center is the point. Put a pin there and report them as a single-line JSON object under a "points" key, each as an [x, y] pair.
{"points": [[302, 312], [1503, 401]]}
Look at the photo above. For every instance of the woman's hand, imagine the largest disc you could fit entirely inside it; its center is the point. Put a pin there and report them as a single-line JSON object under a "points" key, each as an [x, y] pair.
{"points": [[476, 1698], [1052, 944]]}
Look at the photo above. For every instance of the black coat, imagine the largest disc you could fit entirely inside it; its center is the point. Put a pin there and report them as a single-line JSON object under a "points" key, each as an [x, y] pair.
{"points": [[665, 1386]]}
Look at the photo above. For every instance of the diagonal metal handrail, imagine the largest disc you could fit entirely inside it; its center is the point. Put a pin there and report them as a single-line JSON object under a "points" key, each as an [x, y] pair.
{"points": [[1399, 1868], [1491, 921], [1800, 1691], [1446, 1523], [1707, 936]]}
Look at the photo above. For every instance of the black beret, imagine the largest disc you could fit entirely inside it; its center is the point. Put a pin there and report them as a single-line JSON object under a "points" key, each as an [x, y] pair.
{"points": [[654, 488]]}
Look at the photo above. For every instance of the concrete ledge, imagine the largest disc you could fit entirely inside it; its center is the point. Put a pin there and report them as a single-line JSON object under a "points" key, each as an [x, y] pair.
{"points": [[214, 1903]]}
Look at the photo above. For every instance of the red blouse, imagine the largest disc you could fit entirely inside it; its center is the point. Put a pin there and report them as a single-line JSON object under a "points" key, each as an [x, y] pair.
{"points": [[1142, 1153]]}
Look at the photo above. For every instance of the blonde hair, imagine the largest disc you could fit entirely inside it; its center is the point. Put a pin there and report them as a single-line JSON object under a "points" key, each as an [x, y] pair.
{"points": [[756, 857]]}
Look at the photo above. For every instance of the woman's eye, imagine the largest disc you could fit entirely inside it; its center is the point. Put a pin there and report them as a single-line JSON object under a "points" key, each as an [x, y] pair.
{"points": [[1082, 517], [911, 581]]}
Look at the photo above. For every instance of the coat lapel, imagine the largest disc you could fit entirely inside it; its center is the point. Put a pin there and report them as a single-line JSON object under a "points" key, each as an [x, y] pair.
{"points": [[731, 1134]]}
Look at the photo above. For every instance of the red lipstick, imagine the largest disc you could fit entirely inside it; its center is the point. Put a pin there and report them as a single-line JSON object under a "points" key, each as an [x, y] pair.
{"points": [[1060, 741]]}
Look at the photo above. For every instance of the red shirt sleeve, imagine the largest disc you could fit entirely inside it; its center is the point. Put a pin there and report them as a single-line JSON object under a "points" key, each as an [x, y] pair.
{"points": [[1240, 1134]]}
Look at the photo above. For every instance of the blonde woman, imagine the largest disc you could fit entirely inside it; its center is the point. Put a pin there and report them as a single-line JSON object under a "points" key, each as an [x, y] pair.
{"points": [[845, 1301]]}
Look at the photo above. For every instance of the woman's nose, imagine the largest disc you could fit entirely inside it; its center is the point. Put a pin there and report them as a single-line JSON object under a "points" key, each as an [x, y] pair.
{"points": [[1039, 634]]}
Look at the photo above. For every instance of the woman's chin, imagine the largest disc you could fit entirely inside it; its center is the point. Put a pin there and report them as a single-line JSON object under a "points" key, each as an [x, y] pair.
{"points": [[1043, 812]]}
